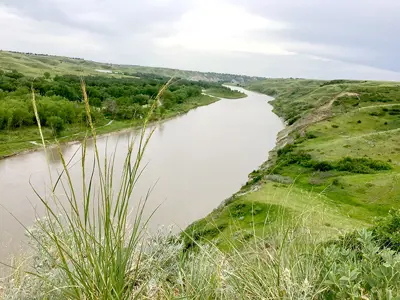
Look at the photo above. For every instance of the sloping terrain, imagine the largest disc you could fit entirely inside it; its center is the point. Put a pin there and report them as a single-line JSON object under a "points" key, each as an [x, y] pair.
{"points": [[36, 64], [337, 161]]}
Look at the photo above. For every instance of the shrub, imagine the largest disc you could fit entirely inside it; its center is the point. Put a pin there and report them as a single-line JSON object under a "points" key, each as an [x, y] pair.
{"points": [[387, 230], [359, 122], [300, 158], [311, 135], [394, 111], [292, 120], [286, 149], [56, 124], [323, 166], [361, 165], [335, 126], [356, 268], [385, 233]]}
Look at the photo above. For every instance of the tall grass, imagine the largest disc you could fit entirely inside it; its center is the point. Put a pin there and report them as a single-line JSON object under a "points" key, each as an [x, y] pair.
{"points": [[90, 245], [92, 239]]}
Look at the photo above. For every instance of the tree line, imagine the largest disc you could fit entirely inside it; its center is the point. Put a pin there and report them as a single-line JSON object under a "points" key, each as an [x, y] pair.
{"points": [[59, 98]]}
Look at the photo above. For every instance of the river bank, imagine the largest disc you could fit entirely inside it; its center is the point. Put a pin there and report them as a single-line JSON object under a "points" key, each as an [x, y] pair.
{"points": [[24, 141], [331, 162]]}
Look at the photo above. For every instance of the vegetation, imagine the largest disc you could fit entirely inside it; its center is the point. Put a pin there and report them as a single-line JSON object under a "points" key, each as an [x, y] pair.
{"points": [[116, 103], [35, 65], [277, 242], [337, 161], [319, 220], [343, 146], [225, 92]]}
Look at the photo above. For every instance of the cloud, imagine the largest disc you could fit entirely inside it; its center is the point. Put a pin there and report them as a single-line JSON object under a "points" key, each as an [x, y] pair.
{"points": [[298, 38], [221, 26], [357, 31]]}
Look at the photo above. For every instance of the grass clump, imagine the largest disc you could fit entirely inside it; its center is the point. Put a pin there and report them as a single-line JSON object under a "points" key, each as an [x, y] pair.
{"points": [[90, 239]]}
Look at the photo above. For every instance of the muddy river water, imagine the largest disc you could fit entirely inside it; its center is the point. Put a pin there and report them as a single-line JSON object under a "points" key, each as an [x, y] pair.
{"points": [[195, 162]]}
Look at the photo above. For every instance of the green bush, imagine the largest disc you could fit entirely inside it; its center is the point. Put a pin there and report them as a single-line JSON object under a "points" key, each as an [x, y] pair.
{"points": [[300, 158], [323, 166], [385, 233], [292, 120], [387, 230], [56, 124], [286, 149], [361, 165], [311, 135], [357, 268], [394, 111]]}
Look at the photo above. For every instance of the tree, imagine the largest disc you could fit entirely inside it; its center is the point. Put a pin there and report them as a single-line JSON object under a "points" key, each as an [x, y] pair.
{"points": [[46, 75], [56, 124]]}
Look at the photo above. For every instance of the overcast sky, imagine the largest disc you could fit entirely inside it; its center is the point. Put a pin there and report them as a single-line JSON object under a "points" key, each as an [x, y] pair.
{"points": [[272, 38]]}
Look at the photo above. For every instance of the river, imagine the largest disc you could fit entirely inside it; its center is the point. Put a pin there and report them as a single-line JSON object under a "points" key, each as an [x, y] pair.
{"points": [[195, 162]]}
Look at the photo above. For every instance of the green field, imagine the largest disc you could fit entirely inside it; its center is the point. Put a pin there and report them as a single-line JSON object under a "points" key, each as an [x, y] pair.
{"points": [[339, 159]]}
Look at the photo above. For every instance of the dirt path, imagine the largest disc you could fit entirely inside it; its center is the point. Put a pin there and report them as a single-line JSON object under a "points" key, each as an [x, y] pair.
{"points": [[317, 115]]}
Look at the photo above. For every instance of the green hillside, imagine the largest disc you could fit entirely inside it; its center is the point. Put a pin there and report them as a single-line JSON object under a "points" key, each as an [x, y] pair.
{"points": [[338, 159], [36, 64]]}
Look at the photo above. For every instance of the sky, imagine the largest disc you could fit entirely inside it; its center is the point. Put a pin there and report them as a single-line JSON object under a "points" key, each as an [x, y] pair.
{"points": [[324, 39]]}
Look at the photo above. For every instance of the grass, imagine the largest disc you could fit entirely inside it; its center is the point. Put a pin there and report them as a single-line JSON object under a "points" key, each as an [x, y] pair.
{"points": [[37, 64], [271, 240], [342, 166], [19, 140], [90, 239]]}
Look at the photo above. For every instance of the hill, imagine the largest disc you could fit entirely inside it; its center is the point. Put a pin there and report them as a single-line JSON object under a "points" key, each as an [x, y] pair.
{"points": [[33, 64], [338, 159]]}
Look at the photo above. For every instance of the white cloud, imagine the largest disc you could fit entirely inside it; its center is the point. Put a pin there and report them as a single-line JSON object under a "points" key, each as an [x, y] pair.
{"points": [[26, 34], [220, 26], [274, 38]]}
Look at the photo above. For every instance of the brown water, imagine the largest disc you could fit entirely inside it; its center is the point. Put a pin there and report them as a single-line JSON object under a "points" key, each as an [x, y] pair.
{"points": [[196, 161]]}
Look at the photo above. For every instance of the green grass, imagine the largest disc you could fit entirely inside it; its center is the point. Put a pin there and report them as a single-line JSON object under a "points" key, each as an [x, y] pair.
{"points": [[263, 212], [331, 121], [271, 240], [37, 64]]}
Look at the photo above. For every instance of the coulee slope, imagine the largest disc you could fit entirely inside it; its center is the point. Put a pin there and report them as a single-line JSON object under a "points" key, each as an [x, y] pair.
{"points": [[36, 64], [337, 161]]}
